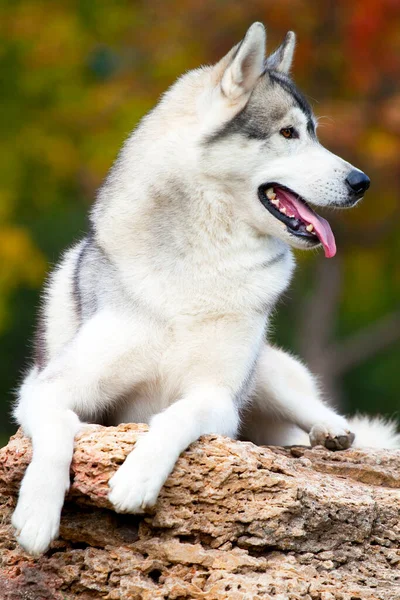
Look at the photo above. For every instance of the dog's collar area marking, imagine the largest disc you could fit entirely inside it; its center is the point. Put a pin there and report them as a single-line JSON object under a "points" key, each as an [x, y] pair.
{"points": [[299, 218]]}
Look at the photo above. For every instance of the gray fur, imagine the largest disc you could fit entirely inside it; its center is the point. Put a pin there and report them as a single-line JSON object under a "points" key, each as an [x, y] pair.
{"points": [[272, 98], [160, 314], [281, 59], [76, 287], [298, 98], [95, 280], [39, 342]]}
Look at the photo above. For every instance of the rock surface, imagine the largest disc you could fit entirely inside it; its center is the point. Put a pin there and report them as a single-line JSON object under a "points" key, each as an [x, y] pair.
{"points": [[233, 521]]}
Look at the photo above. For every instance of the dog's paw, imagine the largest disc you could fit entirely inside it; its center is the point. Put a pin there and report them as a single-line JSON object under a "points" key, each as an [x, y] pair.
{"points": [[36, 518], [137, 483], [36, 525], [332, 437]]}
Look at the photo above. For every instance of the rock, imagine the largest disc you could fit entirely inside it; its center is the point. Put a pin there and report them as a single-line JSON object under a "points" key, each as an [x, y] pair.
{"points": [[233, 521]]}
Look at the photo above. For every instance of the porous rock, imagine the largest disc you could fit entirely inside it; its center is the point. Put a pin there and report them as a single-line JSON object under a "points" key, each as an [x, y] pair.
{"points": [[234, 520]]}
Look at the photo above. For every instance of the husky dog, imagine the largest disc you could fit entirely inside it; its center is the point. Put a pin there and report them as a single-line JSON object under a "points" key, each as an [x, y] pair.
{"points": [[159, 315]]}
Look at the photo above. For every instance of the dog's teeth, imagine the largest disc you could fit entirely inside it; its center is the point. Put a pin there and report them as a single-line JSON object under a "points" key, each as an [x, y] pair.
{"points": [[275, 202], [283, 210], [310, 227], [291, 216], [270, 194]]}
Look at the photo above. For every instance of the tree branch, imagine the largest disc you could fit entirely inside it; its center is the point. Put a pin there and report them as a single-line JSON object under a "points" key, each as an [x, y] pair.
{"points": [[364, 344]]}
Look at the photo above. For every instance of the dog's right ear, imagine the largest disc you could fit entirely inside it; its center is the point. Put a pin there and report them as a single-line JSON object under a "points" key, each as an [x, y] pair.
{"points": [[246, 64], [281, 60]]}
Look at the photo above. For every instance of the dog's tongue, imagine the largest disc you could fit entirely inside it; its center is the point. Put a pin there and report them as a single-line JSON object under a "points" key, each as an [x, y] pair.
{"points": [[321, 226]]}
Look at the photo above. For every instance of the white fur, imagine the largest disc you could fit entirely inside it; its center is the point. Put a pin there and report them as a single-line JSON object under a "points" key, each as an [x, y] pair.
{"points": [[287, 394], [370, 432], [176, 287], [375, 432], [281, 60], [65, 322], [241, 75], [205, 409]]}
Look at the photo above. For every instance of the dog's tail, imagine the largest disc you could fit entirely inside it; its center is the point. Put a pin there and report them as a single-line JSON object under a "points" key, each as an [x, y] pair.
{"points": [[374, 432]]}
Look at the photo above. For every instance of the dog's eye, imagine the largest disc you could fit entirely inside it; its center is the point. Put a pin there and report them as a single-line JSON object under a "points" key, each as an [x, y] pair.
{"points": [[289, 133]]}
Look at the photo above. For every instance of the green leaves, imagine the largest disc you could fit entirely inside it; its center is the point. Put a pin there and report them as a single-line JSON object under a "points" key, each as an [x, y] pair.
{"points": [[77, 76]]}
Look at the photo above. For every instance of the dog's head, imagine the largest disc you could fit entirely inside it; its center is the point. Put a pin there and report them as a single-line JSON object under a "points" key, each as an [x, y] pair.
{"points": [[251, 132]]}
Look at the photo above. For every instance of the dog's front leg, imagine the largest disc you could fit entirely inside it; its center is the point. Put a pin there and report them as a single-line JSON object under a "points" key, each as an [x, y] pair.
{"points": [[287, 392], [204, 409], [87, 377]]}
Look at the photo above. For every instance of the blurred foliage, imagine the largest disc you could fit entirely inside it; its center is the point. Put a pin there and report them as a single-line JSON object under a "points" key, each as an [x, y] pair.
{"points": [[77, 77]]}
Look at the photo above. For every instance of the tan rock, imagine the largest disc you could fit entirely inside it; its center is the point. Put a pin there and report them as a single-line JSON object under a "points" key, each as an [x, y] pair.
{"points": [[233, 521]]}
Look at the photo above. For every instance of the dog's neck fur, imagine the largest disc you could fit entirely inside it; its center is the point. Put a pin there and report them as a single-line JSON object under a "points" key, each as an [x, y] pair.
{"points": [[158, 195], [180, 228], [159, 261]]}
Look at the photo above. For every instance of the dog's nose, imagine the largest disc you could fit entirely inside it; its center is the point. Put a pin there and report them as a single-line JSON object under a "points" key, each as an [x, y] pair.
{"points": [[358, 182]]}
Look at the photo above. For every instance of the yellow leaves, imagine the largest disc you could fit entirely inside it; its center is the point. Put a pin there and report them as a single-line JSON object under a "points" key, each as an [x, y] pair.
{"points": [[364, 276], [21, 261], [52, 36], [381, 147], [61, 40], [53, 151], [7, 203], [390, 113], [100, 102], [23, 21], [99, 153]]}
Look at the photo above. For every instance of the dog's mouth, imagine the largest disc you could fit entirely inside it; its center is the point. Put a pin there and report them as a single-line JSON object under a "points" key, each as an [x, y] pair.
{"points": [[300, 220]]}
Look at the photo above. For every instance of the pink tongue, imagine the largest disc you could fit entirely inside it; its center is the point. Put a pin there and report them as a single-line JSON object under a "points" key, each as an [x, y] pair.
{"points": [[321, 226]]}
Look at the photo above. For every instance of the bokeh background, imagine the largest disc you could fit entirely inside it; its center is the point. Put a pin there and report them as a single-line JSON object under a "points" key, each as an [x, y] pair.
{"points": [[77, 77]]}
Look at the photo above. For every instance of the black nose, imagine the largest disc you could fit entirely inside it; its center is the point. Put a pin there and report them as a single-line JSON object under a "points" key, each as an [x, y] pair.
{"points": [[358, 182]]}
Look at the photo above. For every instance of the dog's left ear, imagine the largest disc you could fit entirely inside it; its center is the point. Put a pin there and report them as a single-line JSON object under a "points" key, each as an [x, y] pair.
{"points": [[281, 60], [246, 64]]}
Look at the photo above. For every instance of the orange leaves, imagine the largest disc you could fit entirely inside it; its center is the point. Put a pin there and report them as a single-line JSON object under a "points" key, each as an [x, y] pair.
{"points": [[341, 124], [382, 147], [81, 75], [371, 32]]}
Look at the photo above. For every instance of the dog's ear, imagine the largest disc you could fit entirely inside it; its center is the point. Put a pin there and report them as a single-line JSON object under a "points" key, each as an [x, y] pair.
{"points": [[281, 59], [245, 63]]}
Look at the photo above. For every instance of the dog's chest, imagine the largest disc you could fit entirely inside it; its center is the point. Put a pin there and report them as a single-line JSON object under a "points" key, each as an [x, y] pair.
{"points": [[243, 284], [212, 322]]}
